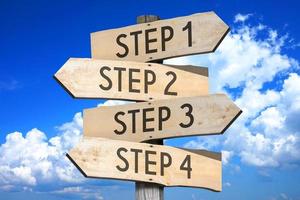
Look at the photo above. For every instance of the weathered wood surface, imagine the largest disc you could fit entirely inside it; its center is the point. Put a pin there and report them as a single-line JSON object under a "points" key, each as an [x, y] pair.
{"points": [[194, 34], [202, 115], [168, 166], [147, 191], [92, 78], [144, 190]]}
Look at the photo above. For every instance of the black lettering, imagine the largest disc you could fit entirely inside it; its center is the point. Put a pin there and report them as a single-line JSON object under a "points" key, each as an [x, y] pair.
{"points": [[108, 87], [132, 80], [187, 161], [125, 168], [189, 28], [164, 164], [120, 70], [145, 119], [120, 122], [174, 77], [147, 81], [122, 45], [160, 116], [148, 40], [189, 114], [133, 113], [149, 162], [164, 39], [136, 158], [136, 41]]}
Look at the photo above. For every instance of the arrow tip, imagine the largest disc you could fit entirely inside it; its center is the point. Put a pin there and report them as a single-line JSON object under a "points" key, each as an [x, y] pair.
{"points": [[77, 166], [233, 119], [63, 86]]}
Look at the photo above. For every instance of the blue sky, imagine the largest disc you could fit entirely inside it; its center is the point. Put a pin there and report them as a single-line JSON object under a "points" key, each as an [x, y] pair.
{"points": [[257, 65]]}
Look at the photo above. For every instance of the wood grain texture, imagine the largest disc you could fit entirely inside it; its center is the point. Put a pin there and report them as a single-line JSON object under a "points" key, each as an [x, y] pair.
{"points": [[143, 190], [82, 79], [98, 158], [212, 114], [148, 191], [208, 30]]}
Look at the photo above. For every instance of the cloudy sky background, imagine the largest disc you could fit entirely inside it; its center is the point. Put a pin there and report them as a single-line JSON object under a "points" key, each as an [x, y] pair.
{"points": [[256, 65]]}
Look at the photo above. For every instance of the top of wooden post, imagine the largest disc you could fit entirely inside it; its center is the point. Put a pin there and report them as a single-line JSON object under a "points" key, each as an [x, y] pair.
{"points": [[146, 18]]}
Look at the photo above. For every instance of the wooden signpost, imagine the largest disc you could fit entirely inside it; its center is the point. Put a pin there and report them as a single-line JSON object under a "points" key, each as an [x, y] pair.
{"points": [[93, 78], [178, 104], [145, 190], [194, 34], [168, 166], [203, 115]]}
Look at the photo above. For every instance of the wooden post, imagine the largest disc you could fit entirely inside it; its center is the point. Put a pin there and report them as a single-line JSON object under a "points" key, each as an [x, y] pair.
{"points": [[149, 191]]}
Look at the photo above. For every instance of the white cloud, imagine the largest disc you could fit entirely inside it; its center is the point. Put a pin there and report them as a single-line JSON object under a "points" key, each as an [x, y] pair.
{"points": [[269, 120], [241, 18], [226, 156], [83, 192], [26, 161], [114, 103], [204, 142], [227, 184], [267, 132], [6, 187]]}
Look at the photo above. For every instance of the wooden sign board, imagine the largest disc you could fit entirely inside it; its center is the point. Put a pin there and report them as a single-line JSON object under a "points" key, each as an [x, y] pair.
{"points": [[168, 166], [194, 34], [91, 78], [203, 115]]}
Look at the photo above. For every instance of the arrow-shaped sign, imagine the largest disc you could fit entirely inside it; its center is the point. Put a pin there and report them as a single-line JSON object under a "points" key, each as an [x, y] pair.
{"points": [[169, 166], [160, 119], [194, 34], [91, 78]]}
